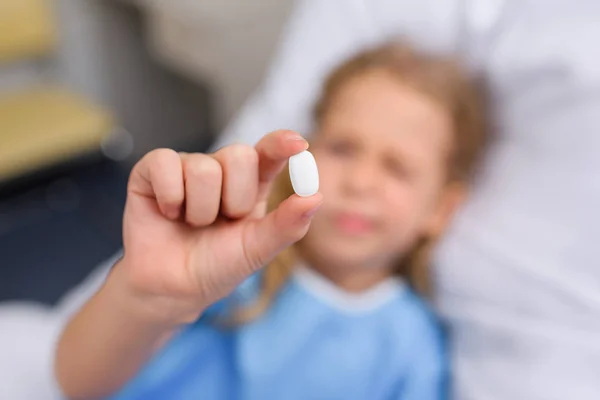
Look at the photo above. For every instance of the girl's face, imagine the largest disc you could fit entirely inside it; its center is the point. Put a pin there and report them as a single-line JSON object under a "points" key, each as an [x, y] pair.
{"points": [[382, 150]]}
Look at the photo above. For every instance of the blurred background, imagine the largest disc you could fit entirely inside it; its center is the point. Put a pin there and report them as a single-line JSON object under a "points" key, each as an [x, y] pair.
{"points": [[86, 88]]}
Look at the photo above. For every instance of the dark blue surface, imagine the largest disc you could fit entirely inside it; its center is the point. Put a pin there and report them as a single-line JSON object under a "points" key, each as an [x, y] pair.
{"points": [[55, 230]]}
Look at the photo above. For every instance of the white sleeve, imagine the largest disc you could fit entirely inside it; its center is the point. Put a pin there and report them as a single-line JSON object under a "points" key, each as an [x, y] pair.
{"points": [[28, 336], [320, 35]]}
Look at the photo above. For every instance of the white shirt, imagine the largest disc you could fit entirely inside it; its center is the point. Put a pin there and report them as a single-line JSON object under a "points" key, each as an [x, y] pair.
{"points": [[517, 276]]}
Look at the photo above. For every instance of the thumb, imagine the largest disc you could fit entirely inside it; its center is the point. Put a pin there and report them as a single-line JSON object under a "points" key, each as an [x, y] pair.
{"points": [[285, 225]]}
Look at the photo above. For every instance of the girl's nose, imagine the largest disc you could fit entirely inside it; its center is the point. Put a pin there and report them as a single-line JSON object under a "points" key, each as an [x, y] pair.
{"points": [[361, 177]]}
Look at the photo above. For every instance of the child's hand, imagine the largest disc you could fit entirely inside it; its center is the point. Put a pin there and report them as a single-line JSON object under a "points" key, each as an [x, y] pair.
{"points": [[195, 224]]}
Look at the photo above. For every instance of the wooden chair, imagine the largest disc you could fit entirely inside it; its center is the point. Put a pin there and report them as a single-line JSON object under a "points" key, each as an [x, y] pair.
{"points": [[41, 126]]}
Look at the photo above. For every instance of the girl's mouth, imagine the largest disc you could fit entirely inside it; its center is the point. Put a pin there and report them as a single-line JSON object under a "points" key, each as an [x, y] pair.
{"points": [[354, 224]]}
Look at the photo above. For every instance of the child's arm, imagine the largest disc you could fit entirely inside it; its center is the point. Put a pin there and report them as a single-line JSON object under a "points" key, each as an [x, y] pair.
{"points": [[194, 228]]}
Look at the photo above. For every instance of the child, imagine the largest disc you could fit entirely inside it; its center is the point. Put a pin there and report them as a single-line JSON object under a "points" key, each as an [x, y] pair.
{"points": [[331, 317]]}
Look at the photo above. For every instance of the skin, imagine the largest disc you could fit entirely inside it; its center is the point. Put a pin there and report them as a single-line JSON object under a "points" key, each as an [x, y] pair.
{"points": [[381, 151]]}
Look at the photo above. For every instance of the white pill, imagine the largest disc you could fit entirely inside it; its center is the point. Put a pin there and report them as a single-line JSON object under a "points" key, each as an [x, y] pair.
{"points": [[304, 174]]}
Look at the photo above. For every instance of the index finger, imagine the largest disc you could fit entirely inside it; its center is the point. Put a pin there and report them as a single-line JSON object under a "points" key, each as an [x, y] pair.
{"points": [[274, 150]]}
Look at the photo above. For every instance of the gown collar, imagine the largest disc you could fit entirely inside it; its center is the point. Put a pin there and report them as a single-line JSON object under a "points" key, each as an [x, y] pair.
{"points": [[342, 300]]}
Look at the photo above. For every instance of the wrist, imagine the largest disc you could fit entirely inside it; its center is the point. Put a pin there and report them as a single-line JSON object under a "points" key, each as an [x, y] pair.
{"points": [[144, 307]]}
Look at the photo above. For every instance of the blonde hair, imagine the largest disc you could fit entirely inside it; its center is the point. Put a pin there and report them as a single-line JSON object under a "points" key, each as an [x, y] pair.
{"points": [[442, 79]]}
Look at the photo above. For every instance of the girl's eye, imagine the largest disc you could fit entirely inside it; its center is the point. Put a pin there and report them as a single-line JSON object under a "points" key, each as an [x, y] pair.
{"points": [[341, 148], [396, 168]]}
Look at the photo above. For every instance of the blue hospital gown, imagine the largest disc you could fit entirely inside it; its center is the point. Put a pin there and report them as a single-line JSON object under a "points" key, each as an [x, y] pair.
{"points": [[315, 342]]}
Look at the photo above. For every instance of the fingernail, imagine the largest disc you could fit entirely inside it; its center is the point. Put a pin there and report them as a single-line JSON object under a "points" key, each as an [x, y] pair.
{"points": [[310, 213], [293, 137]]}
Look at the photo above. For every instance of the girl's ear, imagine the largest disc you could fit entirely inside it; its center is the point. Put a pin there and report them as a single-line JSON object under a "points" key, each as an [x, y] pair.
{"points": [[452, 197]]}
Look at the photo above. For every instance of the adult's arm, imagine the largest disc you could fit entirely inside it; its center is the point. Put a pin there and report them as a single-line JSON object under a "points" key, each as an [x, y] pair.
{"points": [[318, 36]]}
